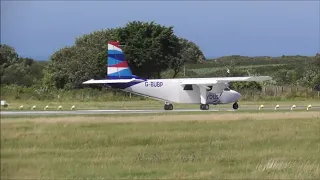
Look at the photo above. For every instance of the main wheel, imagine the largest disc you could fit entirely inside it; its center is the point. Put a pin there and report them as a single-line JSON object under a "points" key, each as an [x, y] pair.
{"points": [[235, 106], [204, 106], [168, 107]]}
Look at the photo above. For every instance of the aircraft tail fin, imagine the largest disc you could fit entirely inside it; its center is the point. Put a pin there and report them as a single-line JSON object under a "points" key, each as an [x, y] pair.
{"points": [[117, 65]]}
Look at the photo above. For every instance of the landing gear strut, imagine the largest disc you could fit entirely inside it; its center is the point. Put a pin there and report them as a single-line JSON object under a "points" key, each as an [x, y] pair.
{"points": [[235, 106], [168, 106], [204, 106]]}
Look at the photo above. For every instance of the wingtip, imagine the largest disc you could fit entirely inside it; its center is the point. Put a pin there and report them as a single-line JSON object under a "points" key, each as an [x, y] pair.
{"points": [[88, 82]]}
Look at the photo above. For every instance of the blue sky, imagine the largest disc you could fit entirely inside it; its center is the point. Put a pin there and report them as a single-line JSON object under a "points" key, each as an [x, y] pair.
{"points": [[36, 29]]}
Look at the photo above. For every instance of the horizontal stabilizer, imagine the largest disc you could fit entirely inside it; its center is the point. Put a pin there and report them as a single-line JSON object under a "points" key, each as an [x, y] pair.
{"points": [[110, 81], [210, 81]]}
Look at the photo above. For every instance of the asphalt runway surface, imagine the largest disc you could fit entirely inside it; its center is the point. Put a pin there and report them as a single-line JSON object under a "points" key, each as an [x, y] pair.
{"points": [[96, 112]]}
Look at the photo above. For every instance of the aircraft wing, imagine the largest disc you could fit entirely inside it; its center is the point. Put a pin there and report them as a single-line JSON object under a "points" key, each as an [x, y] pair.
{"points": [[211, 81], [110, 81]]}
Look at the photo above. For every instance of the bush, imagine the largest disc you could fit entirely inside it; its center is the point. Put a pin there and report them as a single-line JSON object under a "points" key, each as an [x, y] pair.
{"points": [[14, 92]]}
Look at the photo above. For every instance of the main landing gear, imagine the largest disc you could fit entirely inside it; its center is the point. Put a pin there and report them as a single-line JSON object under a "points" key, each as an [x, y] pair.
{"points": [[235, 106], [204, 106], [168, 106]]}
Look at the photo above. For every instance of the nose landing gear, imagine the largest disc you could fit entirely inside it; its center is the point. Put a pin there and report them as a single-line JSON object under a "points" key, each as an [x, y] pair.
{"points": [[235, 106]]}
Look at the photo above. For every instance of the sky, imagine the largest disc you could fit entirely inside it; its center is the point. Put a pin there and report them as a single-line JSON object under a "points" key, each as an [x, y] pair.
{"points": [[37, 29]]}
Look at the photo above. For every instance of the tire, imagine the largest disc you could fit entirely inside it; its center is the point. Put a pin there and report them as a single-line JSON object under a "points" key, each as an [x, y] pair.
{"points": [[206, 106], [168, 107], [235, 106]]}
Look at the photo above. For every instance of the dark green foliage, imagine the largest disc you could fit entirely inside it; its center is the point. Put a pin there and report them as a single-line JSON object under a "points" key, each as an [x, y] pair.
{"points": [[259, 60], [317, 60], [190, 53], [71, 66], [252, 86], [149, 47], [8, 55], [18, 70]]}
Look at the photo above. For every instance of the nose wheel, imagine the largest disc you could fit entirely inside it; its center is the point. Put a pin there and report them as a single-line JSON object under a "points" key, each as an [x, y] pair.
{"points": [[235, 106], [204, 106], [168, 106]]}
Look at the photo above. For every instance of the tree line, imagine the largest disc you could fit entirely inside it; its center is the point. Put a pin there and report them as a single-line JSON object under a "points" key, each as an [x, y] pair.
{"points": [[285, 70], [152, 51]]}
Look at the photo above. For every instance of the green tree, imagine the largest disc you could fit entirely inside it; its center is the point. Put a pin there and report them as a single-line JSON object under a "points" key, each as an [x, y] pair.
{"points": [[18, 70], [150, 48], [20, 74], [311, 76], [189, 53], [317, 60], [70, 66], [8, 55]]}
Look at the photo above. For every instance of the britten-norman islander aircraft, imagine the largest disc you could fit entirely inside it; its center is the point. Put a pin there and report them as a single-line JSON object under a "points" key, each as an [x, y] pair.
{"points": [[203, 91]]}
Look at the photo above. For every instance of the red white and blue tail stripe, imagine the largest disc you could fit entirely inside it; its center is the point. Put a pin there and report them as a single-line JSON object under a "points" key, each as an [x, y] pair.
{"points": [[117, 65], [119, 74]]}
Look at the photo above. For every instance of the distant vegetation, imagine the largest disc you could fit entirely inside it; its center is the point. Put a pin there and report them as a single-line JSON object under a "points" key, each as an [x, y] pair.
{"points": [[152, 51]]}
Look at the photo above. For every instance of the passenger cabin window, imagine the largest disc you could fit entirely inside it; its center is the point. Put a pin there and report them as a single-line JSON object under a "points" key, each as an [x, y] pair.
{"points": [[188, 87]]}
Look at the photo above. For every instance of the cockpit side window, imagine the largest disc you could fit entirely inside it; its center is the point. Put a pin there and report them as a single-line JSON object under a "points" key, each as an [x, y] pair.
{"points": [[188, 87], [226, 89]]}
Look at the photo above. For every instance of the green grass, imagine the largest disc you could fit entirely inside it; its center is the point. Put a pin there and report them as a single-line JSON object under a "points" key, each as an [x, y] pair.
{"points": [[222, 149], [159, 114]]}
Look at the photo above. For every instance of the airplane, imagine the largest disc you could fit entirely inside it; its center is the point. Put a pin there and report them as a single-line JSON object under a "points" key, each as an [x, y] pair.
{"points": [[203, 91]]}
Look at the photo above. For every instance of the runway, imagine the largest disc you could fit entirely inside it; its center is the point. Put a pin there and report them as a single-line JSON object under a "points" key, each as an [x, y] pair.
{"points": [[97, 112]]}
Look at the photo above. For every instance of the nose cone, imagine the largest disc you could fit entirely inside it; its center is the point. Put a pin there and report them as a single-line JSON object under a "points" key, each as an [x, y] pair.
{"points": [[236, 95], [230, 96]]}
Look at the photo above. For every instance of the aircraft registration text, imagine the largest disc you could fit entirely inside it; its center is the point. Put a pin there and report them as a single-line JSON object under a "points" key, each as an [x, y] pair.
{"points": [[153, 84]]}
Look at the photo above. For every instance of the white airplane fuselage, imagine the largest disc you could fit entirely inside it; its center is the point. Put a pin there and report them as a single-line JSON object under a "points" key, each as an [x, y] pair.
{"points": [[171, 90]]}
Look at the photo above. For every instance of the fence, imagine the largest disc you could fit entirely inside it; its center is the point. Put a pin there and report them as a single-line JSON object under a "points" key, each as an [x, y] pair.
{"points": [[282, 92]]}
